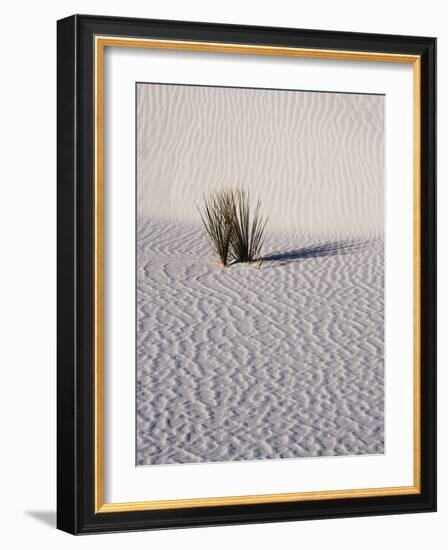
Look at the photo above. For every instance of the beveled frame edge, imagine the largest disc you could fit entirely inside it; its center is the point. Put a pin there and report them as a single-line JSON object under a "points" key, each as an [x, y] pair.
{"points": [[75, 514]]}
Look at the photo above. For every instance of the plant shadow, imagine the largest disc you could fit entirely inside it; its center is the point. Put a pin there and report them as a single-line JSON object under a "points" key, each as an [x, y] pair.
{"points": [[332, 248]]}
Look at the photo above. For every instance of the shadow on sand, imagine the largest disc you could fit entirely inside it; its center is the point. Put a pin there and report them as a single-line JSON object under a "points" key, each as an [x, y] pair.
{"points": [[334, 248]]}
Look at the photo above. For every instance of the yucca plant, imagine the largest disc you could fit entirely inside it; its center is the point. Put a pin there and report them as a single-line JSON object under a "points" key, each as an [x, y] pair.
{"points": [[233, 233], [247, 230], [216, 217]]}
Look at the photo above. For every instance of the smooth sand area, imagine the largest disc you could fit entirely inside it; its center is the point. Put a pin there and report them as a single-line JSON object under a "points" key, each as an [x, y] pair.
{"points": [[241, 363]]}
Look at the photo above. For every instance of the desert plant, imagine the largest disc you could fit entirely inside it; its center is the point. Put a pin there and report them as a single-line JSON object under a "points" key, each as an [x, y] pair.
{"points": [[216, 217], [233, 232], [247, 233]]}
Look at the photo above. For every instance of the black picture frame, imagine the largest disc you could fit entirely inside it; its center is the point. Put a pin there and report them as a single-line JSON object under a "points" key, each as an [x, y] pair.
{"points": [[76, 512]]}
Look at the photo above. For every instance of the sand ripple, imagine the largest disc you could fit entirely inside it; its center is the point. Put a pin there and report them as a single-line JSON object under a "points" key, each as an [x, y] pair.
{"points": [[317, 159], [243, 363]]}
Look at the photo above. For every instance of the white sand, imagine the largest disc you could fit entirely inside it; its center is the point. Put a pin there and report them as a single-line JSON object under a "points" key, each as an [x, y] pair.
{"points": [[243, 363], [282, 362], [314, 159]]}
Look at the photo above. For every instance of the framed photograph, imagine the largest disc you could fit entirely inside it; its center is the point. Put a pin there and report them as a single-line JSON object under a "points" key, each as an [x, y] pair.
{"points": [[246, 274]]}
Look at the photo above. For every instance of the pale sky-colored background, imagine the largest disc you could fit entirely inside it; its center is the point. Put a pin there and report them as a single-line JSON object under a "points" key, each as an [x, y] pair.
{"points": [[315, 159]]}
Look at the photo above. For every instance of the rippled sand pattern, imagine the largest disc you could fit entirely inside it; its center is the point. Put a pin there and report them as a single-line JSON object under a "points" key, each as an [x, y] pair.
{"points": [[243, 363], [315, 160]]}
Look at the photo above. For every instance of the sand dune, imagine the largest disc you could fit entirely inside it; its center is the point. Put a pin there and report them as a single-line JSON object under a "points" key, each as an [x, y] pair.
{"points": [[284, 361], [243, 363], [316, 159]]}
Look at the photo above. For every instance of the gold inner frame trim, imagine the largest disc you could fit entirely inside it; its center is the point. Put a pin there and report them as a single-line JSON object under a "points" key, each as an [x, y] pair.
{"points": [[101, 42]]}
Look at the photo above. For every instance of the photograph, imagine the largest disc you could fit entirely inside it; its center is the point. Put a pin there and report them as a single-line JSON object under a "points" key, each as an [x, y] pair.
{"points": [[259, 274]]}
